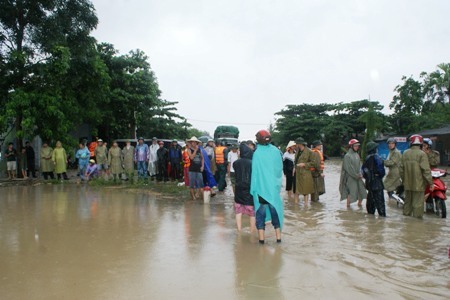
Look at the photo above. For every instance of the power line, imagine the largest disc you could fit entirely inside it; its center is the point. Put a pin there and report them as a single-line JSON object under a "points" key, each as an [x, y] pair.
{"points": [[234, 123]]}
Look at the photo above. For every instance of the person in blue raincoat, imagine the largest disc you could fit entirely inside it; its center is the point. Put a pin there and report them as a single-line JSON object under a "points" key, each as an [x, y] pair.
{"points": [[267, 173], [373, 172], [83, 156], [208, 177]]}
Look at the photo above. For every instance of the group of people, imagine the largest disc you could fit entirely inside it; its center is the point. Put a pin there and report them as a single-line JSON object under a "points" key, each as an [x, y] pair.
{"points": [[255, 174], [157, 162], [206, 166], [52, 161], [152, 161], [26, 161], [304, 170], [99, 161], [412, 170]]}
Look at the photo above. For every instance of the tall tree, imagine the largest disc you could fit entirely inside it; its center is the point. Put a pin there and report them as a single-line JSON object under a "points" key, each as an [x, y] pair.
{"points": [[41, 44], [407, 105], [373, 120], [136, 104], [436, 85], [302, 120], [163, 121], [334, 124]]}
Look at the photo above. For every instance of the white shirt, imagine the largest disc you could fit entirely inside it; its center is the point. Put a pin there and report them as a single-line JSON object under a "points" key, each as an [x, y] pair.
{"points": [[152, 153], [232, 157], [290, 156]]}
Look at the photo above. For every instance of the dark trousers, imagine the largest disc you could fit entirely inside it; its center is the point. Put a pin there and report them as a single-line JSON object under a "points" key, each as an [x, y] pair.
{"points": [[289, 181], [64, 175], [294, 183], [220, 177], [162, 172], [47, 175], [30, 168], [175, 170], [375, 200]]}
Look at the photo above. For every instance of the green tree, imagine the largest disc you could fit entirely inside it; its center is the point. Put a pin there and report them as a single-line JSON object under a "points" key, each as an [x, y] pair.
{"points": [[374, 121], [42, 44], [436, 85], [197, 132], [422, 105], [303, 120], [436, 90], [335, 135], [334, 124], [133, 91], [349, 121], [163, 122], [136, 106], [407, 105]]}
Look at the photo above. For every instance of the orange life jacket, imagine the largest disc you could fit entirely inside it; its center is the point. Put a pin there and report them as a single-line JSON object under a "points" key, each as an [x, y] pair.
{"points": [[220, 158], [322, 164], [186, 160], [92, 147]]}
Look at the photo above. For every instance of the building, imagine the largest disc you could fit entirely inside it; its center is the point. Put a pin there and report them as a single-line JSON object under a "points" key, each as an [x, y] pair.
{"points": [[441, 141]]}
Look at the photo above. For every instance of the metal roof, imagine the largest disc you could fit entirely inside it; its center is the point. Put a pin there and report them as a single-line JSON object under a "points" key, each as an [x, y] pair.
{"points": [[437, 131]]}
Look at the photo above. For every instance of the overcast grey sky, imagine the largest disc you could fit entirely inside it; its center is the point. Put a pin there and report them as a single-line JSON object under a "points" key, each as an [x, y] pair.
{"points": [[248, 59]]}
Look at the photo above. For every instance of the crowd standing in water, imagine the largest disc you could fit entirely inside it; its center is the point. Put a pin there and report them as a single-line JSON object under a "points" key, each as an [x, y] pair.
{"points": [[255, 171], [412, 170]]}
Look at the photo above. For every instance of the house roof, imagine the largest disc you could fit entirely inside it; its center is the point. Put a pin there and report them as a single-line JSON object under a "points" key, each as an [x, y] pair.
{"points": [[437, 131]]}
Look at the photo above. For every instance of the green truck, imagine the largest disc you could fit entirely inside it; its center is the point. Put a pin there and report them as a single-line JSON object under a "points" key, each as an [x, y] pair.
{"points": [[227, 134]]}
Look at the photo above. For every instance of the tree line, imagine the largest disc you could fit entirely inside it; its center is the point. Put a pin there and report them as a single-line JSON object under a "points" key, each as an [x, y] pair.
{"points": [[418, 104], [54, 76]]}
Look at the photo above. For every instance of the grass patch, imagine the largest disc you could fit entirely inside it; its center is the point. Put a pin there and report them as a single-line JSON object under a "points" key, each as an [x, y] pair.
{"points": [[101, 182], [168, 188]]}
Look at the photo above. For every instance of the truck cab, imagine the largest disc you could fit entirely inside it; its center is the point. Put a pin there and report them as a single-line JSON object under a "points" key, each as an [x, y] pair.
{"points": [[227, 134]]}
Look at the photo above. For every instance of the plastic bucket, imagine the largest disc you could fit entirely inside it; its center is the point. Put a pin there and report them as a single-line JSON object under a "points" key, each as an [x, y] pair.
{"points": [[206, 196]]}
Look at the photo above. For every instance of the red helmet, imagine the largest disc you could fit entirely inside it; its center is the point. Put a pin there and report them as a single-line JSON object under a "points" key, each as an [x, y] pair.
{"points": [[263, 137], [353, 142], [416, 139]]}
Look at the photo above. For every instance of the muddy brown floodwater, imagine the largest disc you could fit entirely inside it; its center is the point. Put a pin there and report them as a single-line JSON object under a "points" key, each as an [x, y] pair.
{"points": [[80, 242]]}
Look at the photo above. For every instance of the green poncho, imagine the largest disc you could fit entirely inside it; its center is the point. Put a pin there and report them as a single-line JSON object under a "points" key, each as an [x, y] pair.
{"points": [[351, 183], [59, 157], [47, 165], [267, 173], [392, 181], [115, 160], [128, 159]]}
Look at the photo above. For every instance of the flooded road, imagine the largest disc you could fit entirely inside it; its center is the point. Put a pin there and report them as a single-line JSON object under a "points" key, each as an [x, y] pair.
{"points": [[82, 242]]}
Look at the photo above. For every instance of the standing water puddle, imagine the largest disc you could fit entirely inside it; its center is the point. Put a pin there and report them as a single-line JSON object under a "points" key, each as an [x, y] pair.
{"points": [[80, 242]]}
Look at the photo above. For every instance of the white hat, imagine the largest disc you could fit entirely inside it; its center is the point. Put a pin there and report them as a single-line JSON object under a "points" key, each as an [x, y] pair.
{"points": [[194, 139], [290, 144], [99, 140]]}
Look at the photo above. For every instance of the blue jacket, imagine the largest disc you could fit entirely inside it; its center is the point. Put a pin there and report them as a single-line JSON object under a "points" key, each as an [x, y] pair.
{"points": [[175, 154], [83, 156]]}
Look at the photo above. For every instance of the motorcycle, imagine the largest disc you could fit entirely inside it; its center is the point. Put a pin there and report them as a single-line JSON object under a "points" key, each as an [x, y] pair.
{"points": [[399, 195], [435, 200]]}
